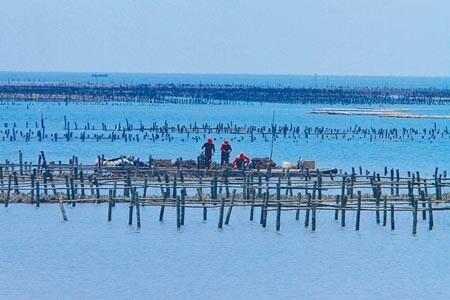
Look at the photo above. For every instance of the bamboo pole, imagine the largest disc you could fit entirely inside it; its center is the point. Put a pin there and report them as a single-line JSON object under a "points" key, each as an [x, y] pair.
{"points": [[358, 212], [230, 207], [110, 205], [278, 222], [222, 206]]}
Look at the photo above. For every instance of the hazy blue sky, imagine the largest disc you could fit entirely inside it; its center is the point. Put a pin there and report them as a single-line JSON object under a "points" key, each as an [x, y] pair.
{"points": [[334, 37]]}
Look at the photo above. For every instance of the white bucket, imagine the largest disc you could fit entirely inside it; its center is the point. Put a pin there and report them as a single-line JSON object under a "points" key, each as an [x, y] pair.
{"points": [[288, 165]]}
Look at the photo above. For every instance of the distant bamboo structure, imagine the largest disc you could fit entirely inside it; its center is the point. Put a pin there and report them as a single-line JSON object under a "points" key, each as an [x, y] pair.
{"points": [[217, 94]]}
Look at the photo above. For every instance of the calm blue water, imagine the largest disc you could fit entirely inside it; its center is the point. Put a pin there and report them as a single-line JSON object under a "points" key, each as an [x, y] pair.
{"points": [[89, 258]]}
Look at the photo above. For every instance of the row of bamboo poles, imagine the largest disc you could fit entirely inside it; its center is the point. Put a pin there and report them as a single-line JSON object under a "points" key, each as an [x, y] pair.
{"points": [[275, 190], [155, 131]]}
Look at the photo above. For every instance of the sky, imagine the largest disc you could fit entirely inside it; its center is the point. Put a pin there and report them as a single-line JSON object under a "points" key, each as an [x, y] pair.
{"points": [[293, 37]]}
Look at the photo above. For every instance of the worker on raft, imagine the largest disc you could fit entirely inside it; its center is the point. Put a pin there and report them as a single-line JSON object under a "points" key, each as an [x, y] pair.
{"points": [[209, 151], [241, 162], [225, 150]]}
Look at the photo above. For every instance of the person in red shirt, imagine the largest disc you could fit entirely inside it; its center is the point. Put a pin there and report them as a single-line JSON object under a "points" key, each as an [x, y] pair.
{"points": [[225, 150], [241, 162]]}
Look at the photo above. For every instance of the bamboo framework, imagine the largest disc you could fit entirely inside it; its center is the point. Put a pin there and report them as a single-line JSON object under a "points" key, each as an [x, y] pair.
{"points": [[276, 190]]}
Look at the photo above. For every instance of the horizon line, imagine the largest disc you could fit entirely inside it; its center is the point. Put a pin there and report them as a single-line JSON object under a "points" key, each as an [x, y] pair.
{"points": [[222, 74]]}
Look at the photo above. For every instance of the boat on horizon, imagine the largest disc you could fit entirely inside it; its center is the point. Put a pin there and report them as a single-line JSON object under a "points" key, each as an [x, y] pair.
{"points": [[99, 75]]}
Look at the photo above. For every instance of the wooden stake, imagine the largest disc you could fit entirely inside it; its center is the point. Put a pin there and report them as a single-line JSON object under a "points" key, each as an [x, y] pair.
{"points": [[313, 217], [307, 210], [343, 204], [430, 212], [227, 219], [222, 206], [278, 224], [252, 206], [183, 205], [205, 209], [336, 211], [38, 194], [61, 207], [130, 212], [358, 211], [8, 192], [297, 211], [178, 212], [392, 217], [110, 205], [414, 231], [161, 212], [138, 211]]}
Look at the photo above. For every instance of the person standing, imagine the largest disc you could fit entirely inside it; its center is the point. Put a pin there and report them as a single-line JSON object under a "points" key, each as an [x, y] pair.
{"points": [[209, 151], [241, 162], [225, 150]]}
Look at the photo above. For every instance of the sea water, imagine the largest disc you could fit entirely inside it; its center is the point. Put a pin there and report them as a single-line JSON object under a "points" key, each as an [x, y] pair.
{"points": [[87, 257], [416, 153]]}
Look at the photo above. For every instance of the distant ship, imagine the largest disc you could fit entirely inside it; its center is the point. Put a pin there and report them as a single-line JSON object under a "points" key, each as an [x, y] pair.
{"points": [[99, 75]]}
